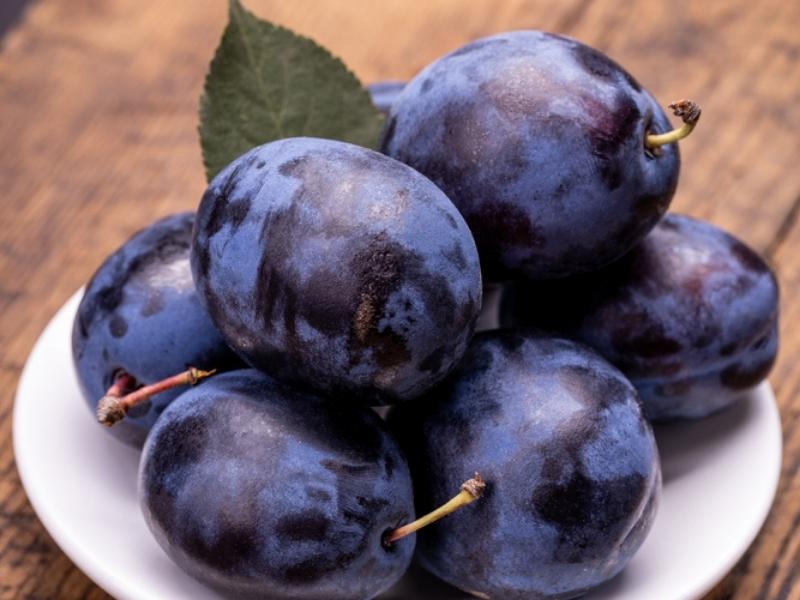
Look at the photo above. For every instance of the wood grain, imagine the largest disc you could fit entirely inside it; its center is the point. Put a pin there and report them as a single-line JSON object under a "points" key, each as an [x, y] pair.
{"points": [[98, 138]]}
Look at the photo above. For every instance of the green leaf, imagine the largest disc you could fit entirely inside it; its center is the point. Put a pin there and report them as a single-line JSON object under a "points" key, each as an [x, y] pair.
{"points": [[266, 83]]}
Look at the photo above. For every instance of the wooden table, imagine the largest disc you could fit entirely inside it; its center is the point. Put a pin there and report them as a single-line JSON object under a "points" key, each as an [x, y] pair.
{"points": [[98, 137]]}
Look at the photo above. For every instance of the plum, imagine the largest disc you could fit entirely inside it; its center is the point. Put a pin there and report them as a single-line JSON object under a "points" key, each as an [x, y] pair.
{"points": [[260, 490], [541, 143], [690, 315], [384, 93], [140, 315], [570, 466], [337, 268]]}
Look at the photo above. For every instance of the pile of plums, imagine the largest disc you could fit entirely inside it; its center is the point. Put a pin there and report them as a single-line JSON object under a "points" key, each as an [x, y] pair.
{"points": [[319, 279]]}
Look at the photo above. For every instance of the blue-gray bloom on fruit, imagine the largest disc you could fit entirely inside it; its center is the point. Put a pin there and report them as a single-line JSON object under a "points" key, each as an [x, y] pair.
{"points": [[690, 315], [140, 316], [337, 268], [263, 491], [540, 141], [570, 466]]}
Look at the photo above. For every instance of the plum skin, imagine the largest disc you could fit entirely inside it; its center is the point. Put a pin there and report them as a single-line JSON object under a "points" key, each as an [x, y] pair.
{"points": [[571, 467], [263, 491], [140, 313], [690, 316], [539, 141], [337, 268]]}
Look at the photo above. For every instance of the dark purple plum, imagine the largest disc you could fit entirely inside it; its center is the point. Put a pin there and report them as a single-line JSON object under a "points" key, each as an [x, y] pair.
{"points": [[384, 93], [539, 140], [263, 491], [140, 314], [570, 464], [690, 315], [337, 268]]}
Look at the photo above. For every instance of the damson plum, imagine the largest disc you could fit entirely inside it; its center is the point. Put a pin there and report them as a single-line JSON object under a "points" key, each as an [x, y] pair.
{"points": [[540, 141], [140, 315], [263, 491], [337, 268], [569, 462], [690, 316], [384, 93]]}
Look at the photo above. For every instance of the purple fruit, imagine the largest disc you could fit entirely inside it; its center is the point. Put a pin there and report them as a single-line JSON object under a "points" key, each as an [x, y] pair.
{"points": [[140, 315], [337, 268], [690, 316], [262, 491], [539, 141], [570, 464]]}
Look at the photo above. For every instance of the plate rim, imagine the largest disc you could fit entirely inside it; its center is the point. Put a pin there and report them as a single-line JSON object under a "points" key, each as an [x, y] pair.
{"points": [[70, 546], [766, 509], [83, 559]]}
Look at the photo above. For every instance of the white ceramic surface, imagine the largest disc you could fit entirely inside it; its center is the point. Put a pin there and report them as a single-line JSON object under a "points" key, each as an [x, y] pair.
{"points": [[720, 477]]}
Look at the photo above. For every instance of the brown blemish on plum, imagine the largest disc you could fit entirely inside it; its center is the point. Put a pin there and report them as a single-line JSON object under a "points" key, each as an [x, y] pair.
{"points": [[344, 301], [380, 270]]}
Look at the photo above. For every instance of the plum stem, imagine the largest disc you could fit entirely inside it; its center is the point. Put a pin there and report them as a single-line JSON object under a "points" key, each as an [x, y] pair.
{"points": [[113, 407], [689, 112], [471, 490]]}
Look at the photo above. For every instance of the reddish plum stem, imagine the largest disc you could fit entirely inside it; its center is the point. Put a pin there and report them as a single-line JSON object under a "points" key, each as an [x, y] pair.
{"points": [[113, 407]]}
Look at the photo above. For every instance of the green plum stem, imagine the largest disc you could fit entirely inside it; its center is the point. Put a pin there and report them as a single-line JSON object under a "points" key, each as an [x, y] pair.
{"points": [[471, 490], [689, 112]]}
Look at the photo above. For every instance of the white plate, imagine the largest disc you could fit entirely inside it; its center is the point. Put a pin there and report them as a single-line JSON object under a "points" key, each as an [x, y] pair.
{"points": [[720, 477]]}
